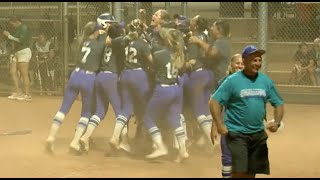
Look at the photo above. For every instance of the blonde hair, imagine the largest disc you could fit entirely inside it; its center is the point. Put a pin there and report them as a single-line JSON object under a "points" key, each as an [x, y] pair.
{"points": [[174, 40], [233, 58]]}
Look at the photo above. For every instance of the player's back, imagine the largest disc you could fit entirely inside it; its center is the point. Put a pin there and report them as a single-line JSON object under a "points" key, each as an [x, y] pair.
{"points": [[91, 54], [166, 73], [136, 52]]}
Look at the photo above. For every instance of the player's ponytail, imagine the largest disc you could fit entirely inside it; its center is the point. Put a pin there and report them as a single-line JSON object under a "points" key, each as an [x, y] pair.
{"points": [[174, 40], [88, 29]]}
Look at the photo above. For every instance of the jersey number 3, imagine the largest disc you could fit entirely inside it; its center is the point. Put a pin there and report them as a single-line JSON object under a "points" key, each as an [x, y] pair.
{"points": [[172, 72]]}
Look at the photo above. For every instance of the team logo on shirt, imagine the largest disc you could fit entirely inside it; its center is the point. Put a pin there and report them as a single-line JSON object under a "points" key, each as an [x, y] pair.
{"points": [[245, 93]]}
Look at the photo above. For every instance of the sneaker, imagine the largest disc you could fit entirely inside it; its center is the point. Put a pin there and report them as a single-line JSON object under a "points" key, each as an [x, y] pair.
{"points": [[14, 96], [84, 145], [181, 158], [114, 142], [160, 150], [74, 149], [125, 147], [24, 98], [49, 147]]}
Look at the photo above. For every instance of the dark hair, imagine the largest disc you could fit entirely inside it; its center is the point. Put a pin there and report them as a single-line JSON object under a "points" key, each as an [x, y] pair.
{"points": [[45, 34], [302, 44], [14, 19], [223, 27], [114, 30], [202, 23], [176, 16]]}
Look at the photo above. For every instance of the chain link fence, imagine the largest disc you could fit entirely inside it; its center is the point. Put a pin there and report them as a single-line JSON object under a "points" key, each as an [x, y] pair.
{"points": [[288, 25], [43, 20]]}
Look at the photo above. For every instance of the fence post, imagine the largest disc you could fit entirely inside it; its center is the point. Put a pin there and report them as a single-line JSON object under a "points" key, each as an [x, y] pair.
{"points": [[263, 32], [136, 8], [78, 18], [184, 8], [117, 11], [65, 40], [167, 7]]}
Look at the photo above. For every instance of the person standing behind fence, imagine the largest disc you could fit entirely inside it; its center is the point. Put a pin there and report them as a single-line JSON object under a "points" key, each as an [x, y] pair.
{"points": [[305, 66], [81, 80], [315, 52], [244, 95], [21, 40], [44, 55], [236, 64]]}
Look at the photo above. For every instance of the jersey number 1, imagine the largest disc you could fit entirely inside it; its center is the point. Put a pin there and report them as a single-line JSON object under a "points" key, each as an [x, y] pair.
{"points": [[172, 72]]}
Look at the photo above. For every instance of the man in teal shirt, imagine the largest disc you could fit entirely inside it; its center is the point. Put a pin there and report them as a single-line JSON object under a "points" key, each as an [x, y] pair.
{"points": [[244, 95]]}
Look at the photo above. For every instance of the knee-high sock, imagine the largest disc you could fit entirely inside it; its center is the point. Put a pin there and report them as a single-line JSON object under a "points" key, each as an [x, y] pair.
{"points": [[205, 124], [156, 137], [92, 125], [57, 121], [226, 171], [181, 138], [81, 127], [124, 135], [121, 121], [184, 125]]}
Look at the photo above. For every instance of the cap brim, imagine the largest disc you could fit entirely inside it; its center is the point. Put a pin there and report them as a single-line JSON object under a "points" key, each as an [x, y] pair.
{"points": [[258, 52]]}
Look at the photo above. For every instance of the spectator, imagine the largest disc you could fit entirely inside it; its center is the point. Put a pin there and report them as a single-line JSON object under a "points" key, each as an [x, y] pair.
{"points": [[20, 40], [316, 54], [44, 54], [304, 68]]}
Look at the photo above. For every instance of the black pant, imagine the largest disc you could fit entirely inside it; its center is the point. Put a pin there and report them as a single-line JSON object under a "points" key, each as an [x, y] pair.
{"points": [[46, 79], [249, 152]]}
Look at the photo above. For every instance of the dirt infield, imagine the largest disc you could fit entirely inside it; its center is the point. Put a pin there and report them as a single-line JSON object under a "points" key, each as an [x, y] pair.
{"points": [[293, 152]]}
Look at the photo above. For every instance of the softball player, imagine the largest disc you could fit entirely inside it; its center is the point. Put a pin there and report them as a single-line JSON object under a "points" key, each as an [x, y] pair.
{"points": [[165, 101], [198, 87], [235, 65], [133, 79], [81, 80], [106, 85]]}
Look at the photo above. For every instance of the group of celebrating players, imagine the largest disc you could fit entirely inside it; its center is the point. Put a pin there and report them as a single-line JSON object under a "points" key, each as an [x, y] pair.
{"points": [[159, 75]]}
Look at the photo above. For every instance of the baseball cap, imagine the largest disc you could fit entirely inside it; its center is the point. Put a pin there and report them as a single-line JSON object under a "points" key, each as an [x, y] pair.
{"points": [[250, 49]]}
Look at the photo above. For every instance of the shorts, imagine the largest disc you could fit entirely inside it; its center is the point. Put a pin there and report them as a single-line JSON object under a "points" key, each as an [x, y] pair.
{"points": [[23, 55], [249, 152]]}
